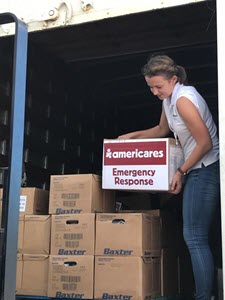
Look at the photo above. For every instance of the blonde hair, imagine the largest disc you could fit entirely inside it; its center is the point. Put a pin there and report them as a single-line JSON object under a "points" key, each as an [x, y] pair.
{"points": [[163, 65]]}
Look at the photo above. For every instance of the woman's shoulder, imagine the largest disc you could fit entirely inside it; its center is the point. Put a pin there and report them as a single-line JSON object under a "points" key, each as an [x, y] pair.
{"points": [[187, 88], [187, 91]]}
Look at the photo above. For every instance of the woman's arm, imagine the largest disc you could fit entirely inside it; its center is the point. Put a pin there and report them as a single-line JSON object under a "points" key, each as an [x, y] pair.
{"points": [[200, 133], [161, 130], [198, 130]]}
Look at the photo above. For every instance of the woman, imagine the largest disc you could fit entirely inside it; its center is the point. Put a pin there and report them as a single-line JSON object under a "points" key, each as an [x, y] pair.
{"points": [[186, 113]]}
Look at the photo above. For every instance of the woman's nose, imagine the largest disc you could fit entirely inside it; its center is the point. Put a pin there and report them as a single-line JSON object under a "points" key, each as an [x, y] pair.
{"points": [[154, 91]]}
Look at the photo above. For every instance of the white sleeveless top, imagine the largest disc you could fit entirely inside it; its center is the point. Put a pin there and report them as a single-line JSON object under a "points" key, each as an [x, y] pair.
{"points": [[181, 131]]}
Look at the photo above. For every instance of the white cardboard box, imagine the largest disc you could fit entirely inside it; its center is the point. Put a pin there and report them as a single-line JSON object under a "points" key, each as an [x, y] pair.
{"points": [[140, 164]]}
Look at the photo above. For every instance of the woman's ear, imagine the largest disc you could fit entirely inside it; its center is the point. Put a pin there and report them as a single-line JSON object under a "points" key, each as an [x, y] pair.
{"points": [[174, 79]]}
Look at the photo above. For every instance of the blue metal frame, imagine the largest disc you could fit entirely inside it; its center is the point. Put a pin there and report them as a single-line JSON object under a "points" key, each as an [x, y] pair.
{"points": [[13, 183]]}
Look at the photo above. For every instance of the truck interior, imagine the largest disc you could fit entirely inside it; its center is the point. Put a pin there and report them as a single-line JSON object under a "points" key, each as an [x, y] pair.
{"points": [[84, 84]]}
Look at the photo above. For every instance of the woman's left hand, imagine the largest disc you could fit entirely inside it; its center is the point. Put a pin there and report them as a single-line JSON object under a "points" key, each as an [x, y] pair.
{"points": [[176, 184]]}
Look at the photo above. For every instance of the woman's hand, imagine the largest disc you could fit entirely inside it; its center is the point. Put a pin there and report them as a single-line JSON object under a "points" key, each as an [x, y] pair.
{"points": [[126, 136], [176, 184]]}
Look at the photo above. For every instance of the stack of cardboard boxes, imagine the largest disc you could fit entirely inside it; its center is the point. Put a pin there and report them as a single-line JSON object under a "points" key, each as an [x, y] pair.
{"points": [[81, 248], [33, 242], [127, 262], [72, 243], [135, 255], [97, 253], [74, 200]]}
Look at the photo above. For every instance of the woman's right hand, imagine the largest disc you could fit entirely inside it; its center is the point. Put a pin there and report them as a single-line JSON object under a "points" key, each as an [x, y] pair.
{"points": [[125, 136], [176, 184]]}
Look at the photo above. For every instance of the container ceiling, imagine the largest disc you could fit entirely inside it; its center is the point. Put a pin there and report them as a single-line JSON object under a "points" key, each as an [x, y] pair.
{"points": [[108, 54], [133, 34]]}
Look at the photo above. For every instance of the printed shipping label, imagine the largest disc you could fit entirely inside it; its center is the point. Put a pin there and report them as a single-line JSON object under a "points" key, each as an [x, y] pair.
{"points": [[23, 201]]}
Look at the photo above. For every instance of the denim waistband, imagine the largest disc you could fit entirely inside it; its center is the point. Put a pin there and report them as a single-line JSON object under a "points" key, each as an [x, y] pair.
{"points": [[213, 165]]}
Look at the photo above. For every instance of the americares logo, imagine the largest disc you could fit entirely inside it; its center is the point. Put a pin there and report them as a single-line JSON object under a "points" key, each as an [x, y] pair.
{"points": [[135, 153]]}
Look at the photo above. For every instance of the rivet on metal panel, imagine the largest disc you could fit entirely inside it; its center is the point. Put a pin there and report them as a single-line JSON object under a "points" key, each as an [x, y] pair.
{"points": [[86, 5], [53, 13]]}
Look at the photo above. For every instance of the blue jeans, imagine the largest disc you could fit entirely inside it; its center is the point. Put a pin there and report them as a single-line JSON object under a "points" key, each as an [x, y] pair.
{"points": [[200, 201]]}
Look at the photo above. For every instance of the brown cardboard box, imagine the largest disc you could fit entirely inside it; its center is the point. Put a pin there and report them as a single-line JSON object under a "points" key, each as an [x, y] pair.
{"points": [[36, 234], [127, 234], [170, 229], [79, 193], [19, 272], [126, 278], [20, 233], [71, 276], [33, 201], [140, 164], [73, 234], [169, 273], [34, 275]]}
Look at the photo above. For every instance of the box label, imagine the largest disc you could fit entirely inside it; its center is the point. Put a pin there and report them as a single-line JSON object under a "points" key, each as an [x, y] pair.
{"points": [[69, 295], [135, 153], [23, 201], [136, 164], [116, 296]]}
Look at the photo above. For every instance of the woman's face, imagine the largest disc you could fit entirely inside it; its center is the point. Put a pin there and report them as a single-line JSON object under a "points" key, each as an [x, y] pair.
{"points": [[160, 86]]}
